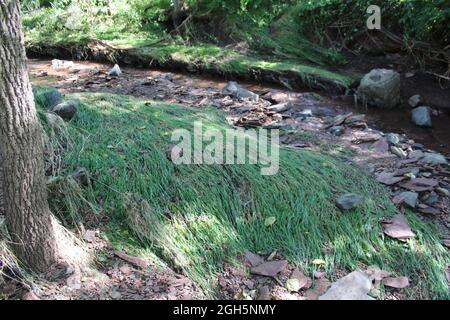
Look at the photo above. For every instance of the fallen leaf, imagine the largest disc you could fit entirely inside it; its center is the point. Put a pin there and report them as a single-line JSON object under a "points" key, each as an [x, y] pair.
{"points": [[397, 283], [318, 262], [270, 221], [138, 262], [270, 269], [297, 281], [254, 259], [398, 228]]}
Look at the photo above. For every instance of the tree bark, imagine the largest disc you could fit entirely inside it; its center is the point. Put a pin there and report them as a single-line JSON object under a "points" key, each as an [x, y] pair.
{"points": [[28, 217]]}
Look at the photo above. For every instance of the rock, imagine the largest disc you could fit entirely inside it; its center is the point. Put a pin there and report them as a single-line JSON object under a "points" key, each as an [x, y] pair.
{"points": [[254, 259], [443, 192], [280, 108], [392, 138], [415, 100], [349, 201], [270, 269], [337, 130], [48, 97], [55, 122], [30, 295], [434, 158], [397, 283], [409, 198], [354, 286], [297, 281], [399, 152], [61, 64], [233, 89], [381, 146], [431, 199], [380, 88], [66, 110], [421, 117], [115, 71], [416, 154], [420, 184], [398, 228], [307, 113]]}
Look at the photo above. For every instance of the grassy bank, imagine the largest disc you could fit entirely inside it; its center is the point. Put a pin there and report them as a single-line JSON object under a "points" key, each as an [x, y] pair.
{"points": [[199, 216]]}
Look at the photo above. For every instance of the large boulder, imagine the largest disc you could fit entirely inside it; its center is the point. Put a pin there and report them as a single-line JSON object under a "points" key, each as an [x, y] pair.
{"points": [[380, 88], [66, 110], [233, 89], [421, 117]]}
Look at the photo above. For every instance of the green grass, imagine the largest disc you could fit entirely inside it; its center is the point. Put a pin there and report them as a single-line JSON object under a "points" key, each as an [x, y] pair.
{"points": [[201, 216]]}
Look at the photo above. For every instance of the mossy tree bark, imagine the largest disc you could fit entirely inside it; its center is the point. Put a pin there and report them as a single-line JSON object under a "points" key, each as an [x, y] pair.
{"points": [[28, 217]]}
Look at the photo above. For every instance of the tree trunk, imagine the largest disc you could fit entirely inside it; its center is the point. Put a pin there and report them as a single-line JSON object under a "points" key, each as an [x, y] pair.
{"points": [[28, 217]]}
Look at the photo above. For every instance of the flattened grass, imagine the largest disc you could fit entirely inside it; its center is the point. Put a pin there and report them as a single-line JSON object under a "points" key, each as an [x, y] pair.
{"points": [[209, 214]]}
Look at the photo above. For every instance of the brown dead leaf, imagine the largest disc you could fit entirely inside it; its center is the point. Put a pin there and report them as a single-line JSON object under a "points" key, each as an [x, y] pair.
{"points": [[397, 283], [138, 262], [270, 269], [398, 228]]}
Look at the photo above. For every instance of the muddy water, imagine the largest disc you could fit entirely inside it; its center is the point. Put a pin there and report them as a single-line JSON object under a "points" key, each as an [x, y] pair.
{"points": [[397, 121]]}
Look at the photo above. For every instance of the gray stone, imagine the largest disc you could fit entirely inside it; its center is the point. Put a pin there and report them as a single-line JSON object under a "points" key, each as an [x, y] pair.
{"points": [[349, 201], [434, 158], [392, 138], [443, 192], [48, 97], [409, 198], [421, 117], [354, 286], [233, 89], [431, 199], [415, 100], [66, 110], [307, 113], [281, 107], [115, 71], [337, 130], [380, 88], [416, 154]]}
